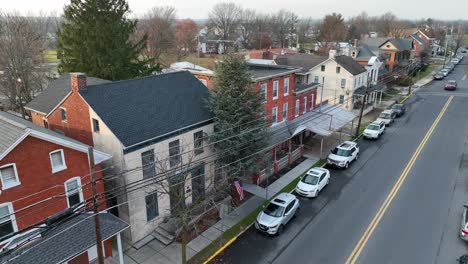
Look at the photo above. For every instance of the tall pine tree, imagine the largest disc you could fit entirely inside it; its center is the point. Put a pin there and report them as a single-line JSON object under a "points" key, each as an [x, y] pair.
{"points": [[241, 127], [95, 39]]}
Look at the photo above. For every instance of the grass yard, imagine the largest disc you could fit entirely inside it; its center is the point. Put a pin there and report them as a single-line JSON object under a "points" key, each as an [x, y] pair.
{"points": [[51, 56], [420, 75]]}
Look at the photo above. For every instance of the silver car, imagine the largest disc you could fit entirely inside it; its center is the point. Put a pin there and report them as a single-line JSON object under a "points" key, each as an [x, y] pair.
{"points": [[464, 224], [277, 214]]}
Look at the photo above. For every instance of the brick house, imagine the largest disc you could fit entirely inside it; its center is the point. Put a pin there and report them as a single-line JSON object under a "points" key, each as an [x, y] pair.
{"points": [[269, 54], [399, 52], [43, 173], [151, 126]]}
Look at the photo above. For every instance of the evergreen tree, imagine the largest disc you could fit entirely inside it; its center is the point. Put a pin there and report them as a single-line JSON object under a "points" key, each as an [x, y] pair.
{"points": [[241, 128], [95, 39]]}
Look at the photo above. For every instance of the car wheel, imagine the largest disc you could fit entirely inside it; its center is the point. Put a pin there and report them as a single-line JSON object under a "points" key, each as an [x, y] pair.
{"points": [[280, 230], [297, 212], [346, 165], [357, 156], [316, 193], [328, 181]]}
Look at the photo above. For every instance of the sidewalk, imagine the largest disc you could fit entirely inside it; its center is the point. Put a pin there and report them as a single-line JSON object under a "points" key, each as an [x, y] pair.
{"points": [[156, 253]]}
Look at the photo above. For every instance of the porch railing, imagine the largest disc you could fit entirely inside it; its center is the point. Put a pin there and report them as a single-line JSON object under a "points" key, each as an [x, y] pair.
{"points": [[295, 154], [282, 163]]}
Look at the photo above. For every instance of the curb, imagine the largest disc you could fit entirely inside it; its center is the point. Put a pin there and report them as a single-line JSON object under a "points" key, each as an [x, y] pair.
{"points": [[232, 240]]}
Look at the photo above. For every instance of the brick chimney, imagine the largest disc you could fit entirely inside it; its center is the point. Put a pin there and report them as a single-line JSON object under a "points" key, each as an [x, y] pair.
{"points": [[78, 81]]}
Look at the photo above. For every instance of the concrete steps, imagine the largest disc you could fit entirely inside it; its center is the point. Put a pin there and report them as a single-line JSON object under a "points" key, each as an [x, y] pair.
{"points": [[163, 236]]}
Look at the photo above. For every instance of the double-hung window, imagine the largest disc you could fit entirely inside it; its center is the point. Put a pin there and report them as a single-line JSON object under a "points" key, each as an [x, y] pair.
{"points": [[316, 79], [198, 142], [312, 97], [96, 125], [57, 160], [286, 86], [275, 89], [274, 115], [285, 111], [7, 220], [148, 164], [264, 91], [305, 105], [9, 176], [174, 153], [152, 210], [296, 110], [74, 191], [343, 83]]}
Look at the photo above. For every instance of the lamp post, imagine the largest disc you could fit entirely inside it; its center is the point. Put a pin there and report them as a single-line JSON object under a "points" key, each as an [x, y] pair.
{"points": [[19, 97]]}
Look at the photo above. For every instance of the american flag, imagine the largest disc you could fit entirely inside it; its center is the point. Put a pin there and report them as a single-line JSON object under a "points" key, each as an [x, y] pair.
{"points": [[239, 190]]}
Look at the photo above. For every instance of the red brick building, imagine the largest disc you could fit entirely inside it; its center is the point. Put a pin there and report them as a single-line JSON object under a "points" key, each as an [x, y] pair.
{"points": [[42, 173]]}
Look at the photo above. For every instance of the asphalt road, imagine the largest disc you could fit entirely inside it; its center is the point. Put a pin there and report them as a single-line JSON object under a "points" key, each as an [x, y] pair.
{"points": [[421, 224]]}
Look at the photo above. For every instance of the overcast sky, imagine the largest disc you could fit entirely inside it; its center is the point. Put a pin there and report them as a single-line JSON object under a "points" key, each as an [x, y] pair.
{"points": [[196, 9]]}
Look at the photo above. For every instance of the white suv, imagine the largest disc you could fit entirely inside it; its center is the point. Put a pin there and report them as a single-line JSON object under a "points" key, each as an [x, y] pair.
{"points": [[374, 130], [387, 116], [277, 214], [342, 155]]}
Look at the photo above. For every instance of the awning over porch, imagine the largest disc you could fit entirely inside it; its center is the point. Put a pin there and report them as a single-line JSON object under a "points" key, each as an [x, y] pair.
{"points": [[373, 88], [323, 121], [65, 241], [330, 119]]}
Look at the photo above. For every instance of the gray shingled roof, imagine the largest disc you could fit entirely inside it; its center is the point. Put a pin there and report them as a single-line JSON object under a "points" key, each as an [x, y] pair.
{"points": [[66, 240], [418, 38], [305, 61], [48, 99], [147, 108], [364, 53], [401, 43], [263, 71], [374, 43], [350, 64], [13, 128]]}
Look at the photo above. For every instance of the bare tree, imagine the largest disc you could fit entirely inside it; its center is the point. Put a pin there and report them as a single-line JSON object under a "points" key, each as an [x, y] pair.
{"points": [[224, 18], [359, 26], [186, 37], [281, 27], [160, 26], [247, 27], [23, 69], [304, 28], [333, 28], [262, 32]]}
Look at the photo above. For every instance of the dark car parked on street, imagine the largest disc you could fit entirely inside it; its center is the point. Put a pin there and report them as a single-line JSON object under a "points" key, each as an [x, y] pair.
{"points": [[439, 76], [399, 109]]}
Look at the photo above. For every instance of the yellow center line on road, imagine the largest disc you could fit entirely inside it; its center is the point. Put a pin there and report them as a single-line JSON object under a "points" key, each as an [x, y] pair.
{"points": [[376, 220]]}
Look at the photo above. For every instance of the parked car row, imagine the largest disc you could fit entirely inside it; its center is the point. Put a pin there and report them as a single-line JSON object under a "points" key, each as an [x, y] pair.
{"points": [[448, 68]]}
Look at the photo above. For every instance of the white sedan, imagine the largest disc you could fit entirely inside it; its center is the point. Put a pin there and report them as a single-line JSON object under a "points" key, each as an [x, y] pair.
{"points": [[313, 182]]}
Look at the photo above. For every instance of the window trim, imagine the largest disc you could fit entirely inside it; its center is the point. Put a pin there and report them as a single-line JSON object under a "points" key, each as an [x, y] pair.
{"points": [[11, 213], [296, 108], [157, 206], [274, 110], [285, 107], [4, 187], [286, 91], [173, 157], [264, 85], [200, 149], [64, 167], [312, 98], [80, 190], [94, 121], [63, 110], [143, 156], [275, 84], [305, 105], [322, 68], [341, 83]]}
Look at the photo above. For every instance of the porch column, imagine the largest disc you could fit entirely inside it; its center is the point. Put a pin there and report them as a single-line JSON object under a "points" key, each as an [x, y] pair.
{"points": [[321, 147], [380, 101], [274, 152], [119, 249], [300, 138], [289, 146]]}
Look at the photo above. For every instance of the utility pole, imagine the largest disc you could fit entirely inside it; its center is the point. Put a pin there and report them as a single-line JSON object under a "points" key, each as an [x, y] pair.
{"points": [[321, 94], [362, 108], [97, 225]]}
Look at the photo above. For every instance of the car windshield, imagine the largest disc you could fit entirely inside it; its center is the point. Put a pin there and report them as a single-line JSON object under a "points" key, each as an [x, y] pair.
{"points": [[274, 210], [310, 179], [341, 152], [385, 115], [451, 82], [397, 107], [373, 127]]}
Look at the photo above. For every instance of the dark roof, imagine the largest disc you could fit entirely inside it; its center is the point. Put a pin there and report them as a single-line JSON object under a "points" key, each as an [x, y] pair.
{"points": [[350, 65], [364, 53], [263, 71], [48, 99], [147, 108], [66, 240], [374, 43], [417, 38], [401, 43], [299, 87], [305, 61]]}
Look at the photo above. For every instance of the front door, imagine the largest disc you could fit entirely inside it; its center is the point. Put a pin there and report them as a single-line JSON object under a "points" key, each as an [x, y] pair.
{"points": [[198, 184]]}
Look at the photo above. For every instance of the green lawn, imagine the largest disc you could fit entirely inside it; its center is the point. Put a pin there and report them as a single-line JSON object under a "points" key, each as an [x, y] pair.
{"points": [[206, 253], [420, 75]]}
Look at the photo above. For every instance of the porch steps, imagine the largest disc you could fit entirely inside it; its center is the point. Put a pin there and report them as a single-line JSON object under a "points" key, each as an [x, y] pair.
{"points": [[163, 235]]}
